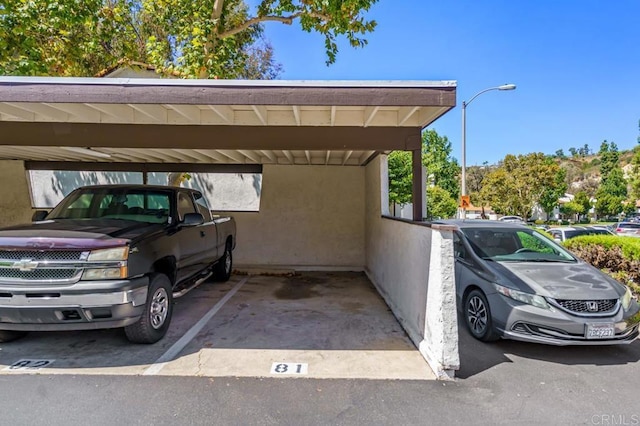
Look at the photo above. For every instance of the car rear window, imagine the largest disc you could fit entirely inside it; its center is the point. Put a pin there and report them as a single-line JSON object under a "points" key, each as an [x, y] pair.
{"points": [[629, 225]]}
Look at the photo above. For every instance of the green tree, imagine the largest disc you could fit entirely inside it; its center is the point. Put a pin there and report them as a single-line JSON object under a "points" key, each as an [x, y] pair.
{"points": [[400, 177], [612, 191], [440, 204], [572, 208], [560, 154], [634, 175], [441, 168], [475, 181], [549, 198], [204, 39], [519, 182], [582, 198]]}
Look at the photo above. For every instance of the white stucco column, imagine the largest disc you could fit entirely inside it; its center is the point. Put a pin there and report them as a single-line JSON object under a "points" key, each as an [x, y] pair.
{"points": [[440, 344]]}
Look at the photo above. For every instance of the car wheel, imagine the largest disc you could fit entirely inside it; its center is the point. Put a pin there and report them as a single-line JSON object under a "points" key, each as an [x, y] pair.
{"points": [[154, 323], [222, 269], [9, 335], [477, 315]]}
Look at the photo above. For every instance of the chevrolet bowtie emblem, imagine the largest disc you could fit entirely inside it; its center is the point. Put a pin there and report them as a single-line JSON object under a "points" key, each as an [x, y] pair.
{"points": [[25, 265]]}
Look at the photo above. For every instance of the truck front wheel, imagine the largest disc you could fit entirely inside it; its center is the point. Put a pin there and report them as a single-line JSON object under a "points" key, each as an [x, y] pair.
{"points": [[154, 323]]}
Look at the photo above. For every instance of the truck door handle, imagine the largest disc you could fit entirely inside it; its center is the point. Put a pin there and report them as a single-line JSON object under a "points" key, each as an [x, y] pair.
{"points": [[202, 234]]}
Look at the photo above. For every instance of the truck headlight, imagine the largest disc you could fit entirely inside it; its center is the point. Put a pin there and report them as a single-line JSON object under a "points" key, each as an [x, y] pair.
{"points": [[626, 299], [520, 296], [109, 264], [116, 253], [105, 273]]}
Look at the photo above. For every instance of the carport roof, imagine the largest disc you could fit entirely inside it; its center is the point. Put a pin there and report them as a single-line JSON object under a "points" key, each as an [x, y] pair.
{"points": [[214, 121]]}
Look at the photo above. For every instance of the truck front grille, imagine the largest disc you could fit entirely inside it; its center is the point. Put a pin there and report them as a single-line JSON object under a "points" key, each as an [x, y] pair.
{"points": [[41, 267], [40, 275], [40, 256]]}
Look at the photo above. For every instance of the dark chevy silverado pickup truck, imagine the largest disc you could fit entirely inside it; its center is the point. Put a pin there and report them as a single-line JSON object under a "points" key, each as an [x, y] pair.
{"points": [[110, 256]]}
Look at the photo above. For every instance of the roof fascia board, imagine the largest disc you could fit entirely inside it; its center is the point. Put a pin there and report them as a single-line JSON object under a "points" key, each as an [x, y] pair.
{"points": [[209, 137]]}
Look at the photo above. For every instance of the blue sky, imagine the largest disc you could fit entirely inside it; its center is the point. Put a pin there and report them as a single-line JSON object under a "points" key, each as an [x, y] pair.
{"points": [[576, 65]]}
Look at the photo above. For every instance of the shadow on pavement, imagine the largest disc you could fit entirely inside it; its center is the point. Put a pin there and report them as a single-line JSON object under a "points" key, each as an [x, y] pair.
{"points": [[476, 356]]}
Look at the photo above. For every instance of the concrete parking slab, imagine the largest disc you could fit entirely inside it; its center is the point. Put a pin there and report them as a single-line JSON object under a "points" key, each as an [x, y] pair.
{"points": [[313, 325]]}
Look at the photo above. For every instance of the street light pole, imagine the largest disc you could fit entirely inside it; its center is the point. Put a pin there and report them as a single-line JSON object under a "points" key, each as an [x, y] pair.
{"points": [[463, 184]]}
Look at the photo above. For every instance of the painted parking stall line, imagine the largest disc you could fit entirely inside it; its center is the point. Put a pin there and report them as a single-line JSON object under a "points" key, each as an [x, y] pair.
{"points": [[178, 346], [28, 365]]}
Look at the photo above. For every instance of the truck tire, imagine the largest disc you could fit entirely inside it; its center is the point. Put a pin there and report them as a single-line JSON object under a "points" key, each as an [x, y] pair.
{"points": [[9, 335], [154, 323], [222, 269]]}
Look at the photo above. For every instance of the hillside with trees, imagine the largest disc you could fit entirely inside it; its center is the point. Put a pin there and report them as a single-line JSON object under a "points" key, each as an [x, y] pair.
{"points": [[607, 179]]}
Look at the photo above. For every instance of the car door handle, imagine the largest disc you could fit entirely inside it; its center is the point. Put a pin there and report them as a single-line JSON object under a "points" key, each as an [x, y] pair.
{"points": [[202, 234]]}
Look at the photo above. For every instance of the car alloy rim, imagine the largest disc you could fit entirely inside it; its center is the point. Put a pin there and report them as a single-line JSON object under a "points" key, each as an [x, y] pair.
{"points": [[227, 262], [477, 315], [159, 308]]}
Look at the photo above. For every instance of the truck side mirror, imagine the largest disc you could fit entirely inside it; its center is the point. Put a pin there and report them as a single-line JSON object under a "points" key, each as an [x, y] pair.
{"points": [[39, 215], [192, 219]]}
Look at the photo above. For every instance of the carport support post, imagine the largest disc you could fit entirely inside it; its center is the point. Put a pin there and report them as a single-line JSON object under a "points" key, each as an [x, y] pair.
{"points": [[440, 344], [419, 205]]}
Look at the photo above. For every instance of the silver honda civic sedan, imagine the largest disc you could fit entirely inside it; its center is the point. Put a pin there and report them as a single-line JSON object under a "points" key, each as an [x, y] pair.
{"points": [[513, 282]]}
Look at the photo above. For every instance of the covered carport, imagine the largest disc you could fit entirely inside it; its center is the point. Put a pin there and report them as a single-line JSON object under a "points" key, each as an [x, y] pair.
{"points": [[320, 147]]}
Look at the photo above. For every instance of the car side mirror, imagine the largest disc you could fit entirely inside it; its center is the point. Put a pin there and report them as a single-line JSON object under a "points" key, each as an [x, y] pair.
{"points": [[39, 215], [192, 219]]}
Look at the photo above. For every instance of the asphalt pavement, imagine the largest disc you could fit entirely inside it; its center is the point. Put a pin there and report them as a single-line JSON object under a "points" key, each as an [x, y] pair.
{"points": [[358, 359]]}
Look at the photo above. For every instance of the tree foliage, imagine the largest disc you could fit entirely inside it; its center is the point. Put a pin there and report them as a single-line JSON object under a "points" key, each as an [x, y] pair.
{"points": [[475, 181], [441, 168], [440, 204], [634, 175], [400, 177], [551, 193], [582, 198], [519, 182], [612, 191], [203, 39]]}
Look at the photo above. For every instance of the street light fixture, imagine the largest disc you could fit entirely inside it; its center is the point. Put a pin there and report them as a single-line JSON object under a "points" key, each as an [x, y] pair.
{"points": [[463, 186]]}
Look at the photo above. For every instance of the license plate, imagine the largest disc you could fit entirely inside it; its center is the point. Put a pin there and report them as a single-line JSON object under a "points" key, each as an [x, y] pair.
{"points": [[600, 331]]}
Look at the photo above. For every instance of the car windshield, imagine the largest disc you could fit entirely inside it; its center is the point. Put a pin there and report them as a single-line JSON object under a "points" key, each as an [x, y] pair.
{"points": [[515, 245], [140, 205]]}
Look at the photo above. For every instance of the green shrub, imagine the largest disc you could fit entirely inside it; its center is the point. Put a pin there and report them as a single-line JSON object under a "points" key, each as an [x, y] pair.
{"points": [[617, 256]]}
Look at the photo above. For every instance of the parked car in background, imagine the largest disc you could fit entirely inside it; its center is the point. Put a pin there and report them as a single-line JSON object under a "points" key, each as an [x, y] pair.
{"points": [[513, 282], [627, 229], [511, 219], [566, 232]]}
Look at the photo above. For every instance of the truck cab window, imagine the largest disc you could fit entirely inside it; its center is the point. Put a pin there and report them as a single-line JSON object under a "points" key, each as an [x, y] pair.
{"points": [[202, 206], [185, 205]]}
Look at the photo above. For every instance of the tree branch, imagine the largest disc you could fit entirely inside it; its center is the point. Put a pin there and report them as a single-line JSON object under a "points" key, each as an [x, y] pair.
{"points": [[284, 19]]}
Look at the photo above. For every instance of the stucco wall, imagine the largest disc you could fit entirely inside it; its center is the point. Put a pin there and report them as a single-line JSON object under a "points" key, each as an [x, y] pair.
{"points": [[397, 256], [310, 216], [412, 267], [15, 204]]}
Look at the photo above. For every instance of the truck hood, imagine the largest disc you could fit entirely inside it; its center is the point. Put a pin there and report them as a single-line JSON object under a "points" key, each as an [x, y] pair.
{"points": [[575, 281], [74, 234]]}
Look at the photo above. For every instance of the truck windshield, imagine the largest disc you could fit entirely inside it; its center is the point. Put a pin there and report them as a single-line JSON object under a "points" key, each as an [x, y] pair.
{"points": [[140, 205]]}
